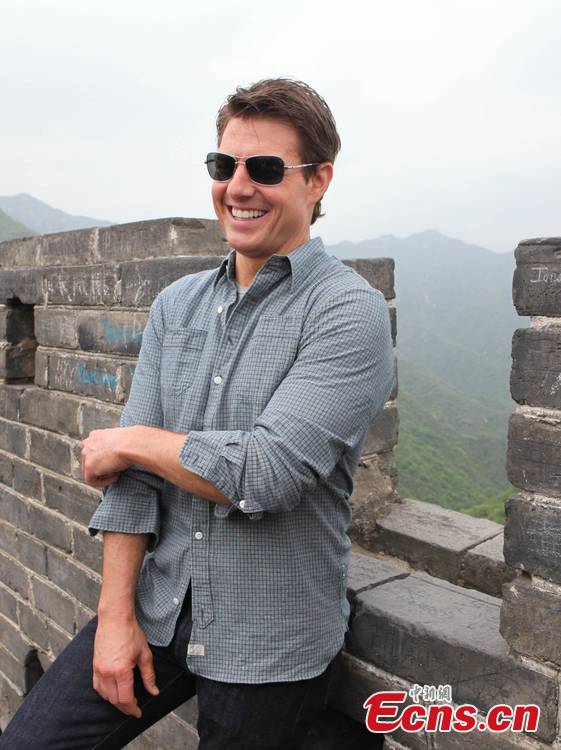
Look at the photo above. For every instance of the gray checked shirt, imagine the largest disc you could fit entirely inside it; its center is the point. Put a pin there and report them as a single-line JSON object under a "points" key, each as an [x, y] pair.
{"points": [[275, 391]]}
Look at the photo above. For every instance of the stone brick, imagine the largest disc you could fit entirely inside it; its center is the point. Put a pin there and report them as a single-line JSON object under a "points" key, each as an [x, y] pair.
{"points": [[8, 604], [27, 479], [142, 280], [41, 367], [54, 603], [96, 416], [23, 284], [48, 526], [82, 285], [532, 536], [13, 575], [49, 450], [33, 625], [126, 374], [112, 332], [50, 410], [536, 363], [74, 500], [379, 272], [484, 568], [431, 632], [6, 469], [32, 553], [534, 446], [373, 494], [11, 698], [83, 616], [75, 247], [96, 376], [8, 539], [529, 617], [383, 431], [17, 361], [536, 285], [87, 549], [9, 400], [13, 509], [73, 579], [13, 639], [353, 681], [366, 572], [56, 327], [430, 537], [12, 668], [12, 438], [58, 639], [163, 237], [24, 251], [16, 323], [173, 734]]}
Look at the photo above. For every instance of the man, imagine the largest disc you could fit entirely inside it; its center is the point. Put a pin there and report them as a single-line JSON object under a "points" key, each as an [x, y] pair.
{"points": [[226, 494]]}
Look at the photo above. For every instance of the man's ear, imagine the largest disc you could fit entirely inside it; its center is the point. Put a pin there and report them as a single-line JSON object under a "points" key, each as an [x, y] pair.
{"points": [[320, 180]]}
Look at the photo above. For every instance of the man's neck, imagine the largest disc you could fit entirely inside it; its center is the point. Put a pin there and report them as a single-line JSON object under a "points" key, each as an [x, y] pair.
{"points": [[247, 266]]}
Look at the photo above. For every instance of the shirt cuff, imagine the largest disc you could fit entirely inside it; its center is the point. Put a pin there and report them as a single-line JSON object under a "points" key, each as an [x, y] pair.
{"points": [[127, 506], [218, 457]]}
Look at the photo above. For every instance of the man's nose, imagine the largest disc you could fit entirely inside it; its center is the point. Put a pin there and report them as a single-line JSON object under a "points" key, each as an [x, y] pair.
{"points": [[240, 184]]}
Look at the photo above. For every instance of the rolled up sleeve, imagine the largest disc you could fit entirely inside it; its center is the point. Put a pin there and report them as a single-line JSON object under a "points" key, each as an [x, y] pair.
{"points": [[342, 376], [131, 504]]}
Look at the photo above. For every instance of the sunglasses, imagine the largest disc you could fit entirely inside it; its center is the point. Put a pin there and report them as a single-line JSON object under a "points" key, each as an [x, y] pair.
{"points": [[264, 170]]}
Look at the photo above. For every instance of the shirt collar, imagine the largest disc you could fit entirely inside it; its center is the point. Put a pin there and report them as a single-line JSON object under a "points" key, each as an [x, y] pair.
{"points": [[301, 261]]}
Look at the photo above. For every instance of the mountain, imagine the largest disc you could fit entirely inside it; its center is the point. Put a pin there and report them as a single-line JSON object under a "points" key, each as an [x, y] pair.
{"points": [[10, 229], [455, 321], [42, 218]]}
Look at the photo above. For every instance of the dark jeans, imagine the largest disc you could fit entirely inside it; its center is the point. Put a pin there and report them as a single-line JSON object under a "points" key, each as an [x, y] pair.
{"points": [[63, 711]]}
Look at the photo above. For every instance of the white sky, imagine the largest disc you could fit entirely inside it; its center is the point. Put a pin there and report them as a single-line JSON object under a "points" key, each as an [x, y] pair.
{"points": [[449, 112]]}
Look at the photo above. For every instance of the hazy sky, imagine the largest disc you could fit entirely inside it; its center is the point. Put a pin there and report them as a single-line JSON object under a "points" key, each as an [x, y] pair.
{"points": [[449, 112]]}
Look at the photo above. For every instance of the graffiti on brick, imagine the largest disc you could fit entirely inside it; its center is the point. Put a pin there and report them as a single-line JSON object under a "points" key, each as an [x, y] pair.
{"points": [[87, 376]]}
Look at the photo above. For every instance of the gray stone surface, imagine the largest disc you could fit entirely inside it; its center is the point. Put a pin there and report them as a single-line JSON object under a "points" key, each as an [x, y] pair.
{"points": [[536, 364], [531, 620], [87, 375], [534, 447], [383, 431], [484, 568], [54, 603], [536, 286], [373, 493], [112, 332], [56, 327], [379, 272], [430, 537], [17, 361], [24, 251], [431, 632], [50, 410], [142, 280], [367, 572], [75, 247], [25, 284], [533, 536], [159, 238], [49, 450], [16, 322], [74, 579], [82, 285], [74, 500]]}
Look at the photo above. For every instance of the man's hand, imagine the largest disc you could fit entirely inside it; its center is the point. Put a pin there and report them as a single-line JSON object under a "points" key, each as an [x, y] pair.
{"points": [[119, 646], [102, 459]]}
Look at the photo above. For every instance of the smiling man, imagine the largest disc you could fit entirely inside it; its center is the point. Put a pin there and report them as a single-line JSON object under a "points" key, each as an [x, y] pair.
{"points": [[226, 488]]}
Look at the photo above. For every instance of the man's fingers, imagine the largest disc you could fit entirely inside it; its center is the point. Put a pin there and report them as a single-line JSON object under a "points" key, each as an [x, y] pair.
{"points": [[146, 667], [125, 688]]}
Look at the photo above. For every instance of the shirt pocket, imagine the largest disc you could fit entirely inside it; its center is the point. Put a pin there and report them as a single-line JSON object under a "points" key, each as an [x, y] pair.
{"points": [[182, 351]]}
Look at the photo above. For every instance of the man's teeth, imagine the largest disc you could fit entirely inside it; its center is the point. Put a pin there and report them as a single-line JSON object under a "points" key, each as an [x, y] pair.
{"points": [[252, 214]]}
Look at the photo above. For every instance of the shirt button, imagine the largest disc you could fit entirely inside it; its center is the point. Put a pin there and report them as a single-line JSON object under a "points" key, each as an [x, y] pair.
{"points": [[218, 380], [219, 309], [242, 503], [175, 600], [198, 534]]}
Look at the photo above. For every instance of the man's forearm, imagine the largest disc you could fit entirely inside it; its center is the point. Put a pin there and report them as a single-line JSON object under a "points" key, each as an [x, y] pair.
{"points": [[122, 560], [158, 451]]}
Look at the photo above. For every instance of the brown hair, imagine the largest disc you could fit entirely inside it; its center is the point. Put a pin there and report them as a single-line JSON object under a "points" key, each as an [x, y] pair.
{"points": [[295, 103]]}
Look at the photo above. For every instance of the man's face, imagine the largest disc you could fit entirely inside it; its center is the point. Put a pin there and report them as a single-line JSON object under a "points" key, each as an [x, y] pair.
{"points": [[288, 206]]}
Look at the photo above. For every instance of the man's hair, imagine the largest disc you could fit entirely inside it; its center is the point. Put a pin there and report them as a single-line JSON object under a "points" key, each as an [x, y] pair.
{"points": [[295, 103]]}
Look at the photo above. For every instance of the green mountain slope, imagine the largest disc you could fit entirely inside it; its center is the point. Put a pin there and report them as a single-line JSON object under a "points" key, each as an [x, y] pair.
{"points": [[455, 321], [10, 229]]}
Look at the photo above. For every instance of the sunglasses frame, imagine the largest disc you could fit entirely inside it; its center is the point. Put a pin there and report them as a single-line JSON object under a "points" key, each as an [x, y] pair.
{"points": [[210, 157]]}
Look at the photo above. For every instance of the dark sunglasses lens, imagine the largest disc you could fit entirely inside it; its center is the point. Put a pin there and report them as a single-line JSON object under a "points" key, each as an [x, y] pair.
{"points": [[267, 170], [220, 166]]}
